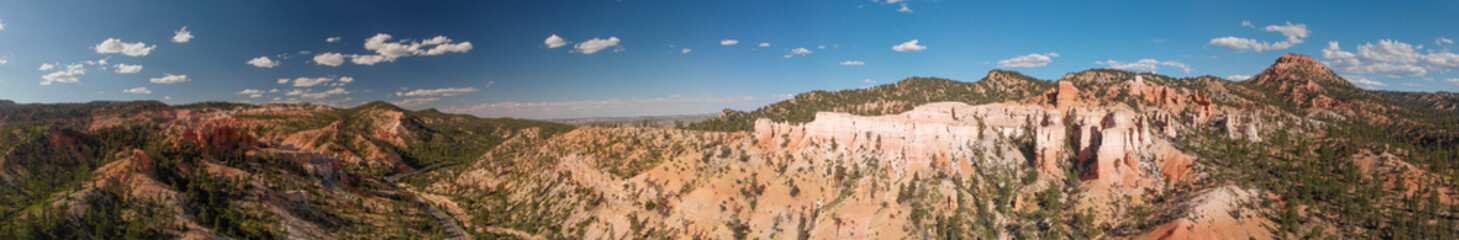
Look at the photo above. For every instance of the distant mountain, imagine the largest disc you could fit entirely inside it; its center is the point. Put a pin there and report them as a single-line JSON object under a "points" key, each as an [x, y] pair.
{"points": [[1437, 100], [1295, 152], [998, 85]]}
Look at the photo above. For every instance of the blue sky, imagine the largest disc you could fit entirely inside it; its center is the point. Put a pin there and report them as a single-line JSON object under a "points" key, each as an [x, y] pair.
{"points": [[492, 58]]}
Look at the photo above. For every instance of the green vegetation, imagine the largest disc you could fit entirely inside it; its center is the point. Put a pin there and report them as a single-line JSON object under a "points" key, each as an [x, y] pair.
{"points": [[885, 99]]}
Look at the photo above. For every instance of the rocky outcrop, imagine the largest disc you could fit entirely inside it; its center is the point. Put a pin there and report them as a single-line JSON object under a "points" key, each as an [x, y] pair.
{"points": [[1216, 213]]}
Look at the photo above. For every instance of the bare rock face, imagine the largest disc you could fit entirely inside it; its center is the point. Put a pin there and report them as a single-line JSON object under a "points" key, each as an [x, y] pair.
{"points": [[1065, 96], [1112, 143], [923, 140], [1216, 214], [390, 126]]}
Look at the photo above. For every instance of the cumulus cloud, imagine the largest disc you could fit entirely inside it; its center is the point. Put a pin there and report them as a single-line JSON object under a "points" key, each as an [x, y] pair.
{"points": [[331, 39], [1294, 33], [909, 46], [1455, 81], [1238, 77], [798, 51], [728, 42], [1028, 61], [1364, 82], [170, 79], [251, 93], [310, 82], [46, 67], [264, 62], [329, 59], [1145, 65], [112, 45], [686, 50], [369, 60], [124, 68], [443, 92], [387, 51], [310, 94], [2, 25], [853, 63], [1389, 58], [764, 44], [411, 102], [138, 90], [182, 35], [555, 42], [594, 45], [1442, 41], [904, 9], [67, 75]]}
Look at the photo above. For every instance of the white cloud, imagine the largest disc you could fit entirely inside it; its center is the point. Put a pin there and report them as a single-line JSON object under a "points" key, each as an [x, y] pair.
{"points": [[112, 45], [764, 44], [1145, 65], [182, 35], [1442, 61], [331, 39], [67, 75], [444, 92], [1442, 41], [594, 45], [138, 90], [1364, 82], [686, 50], [909, 46], [2, 25], [1294, 33], [264, 62], [411, 102], [369, 60], [1389, 51], [252, 93], [170, 79], [853, 63], [1028, 61], [46, 67], [1455, 81], [1387, 58], [387, 51], [310, 94], [488, 84], [904, 9], [124, 68], [555, 42], [329, 59], [310, 82], [798, 51], [1245, 23], [728, 42], [1238, 77]]}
